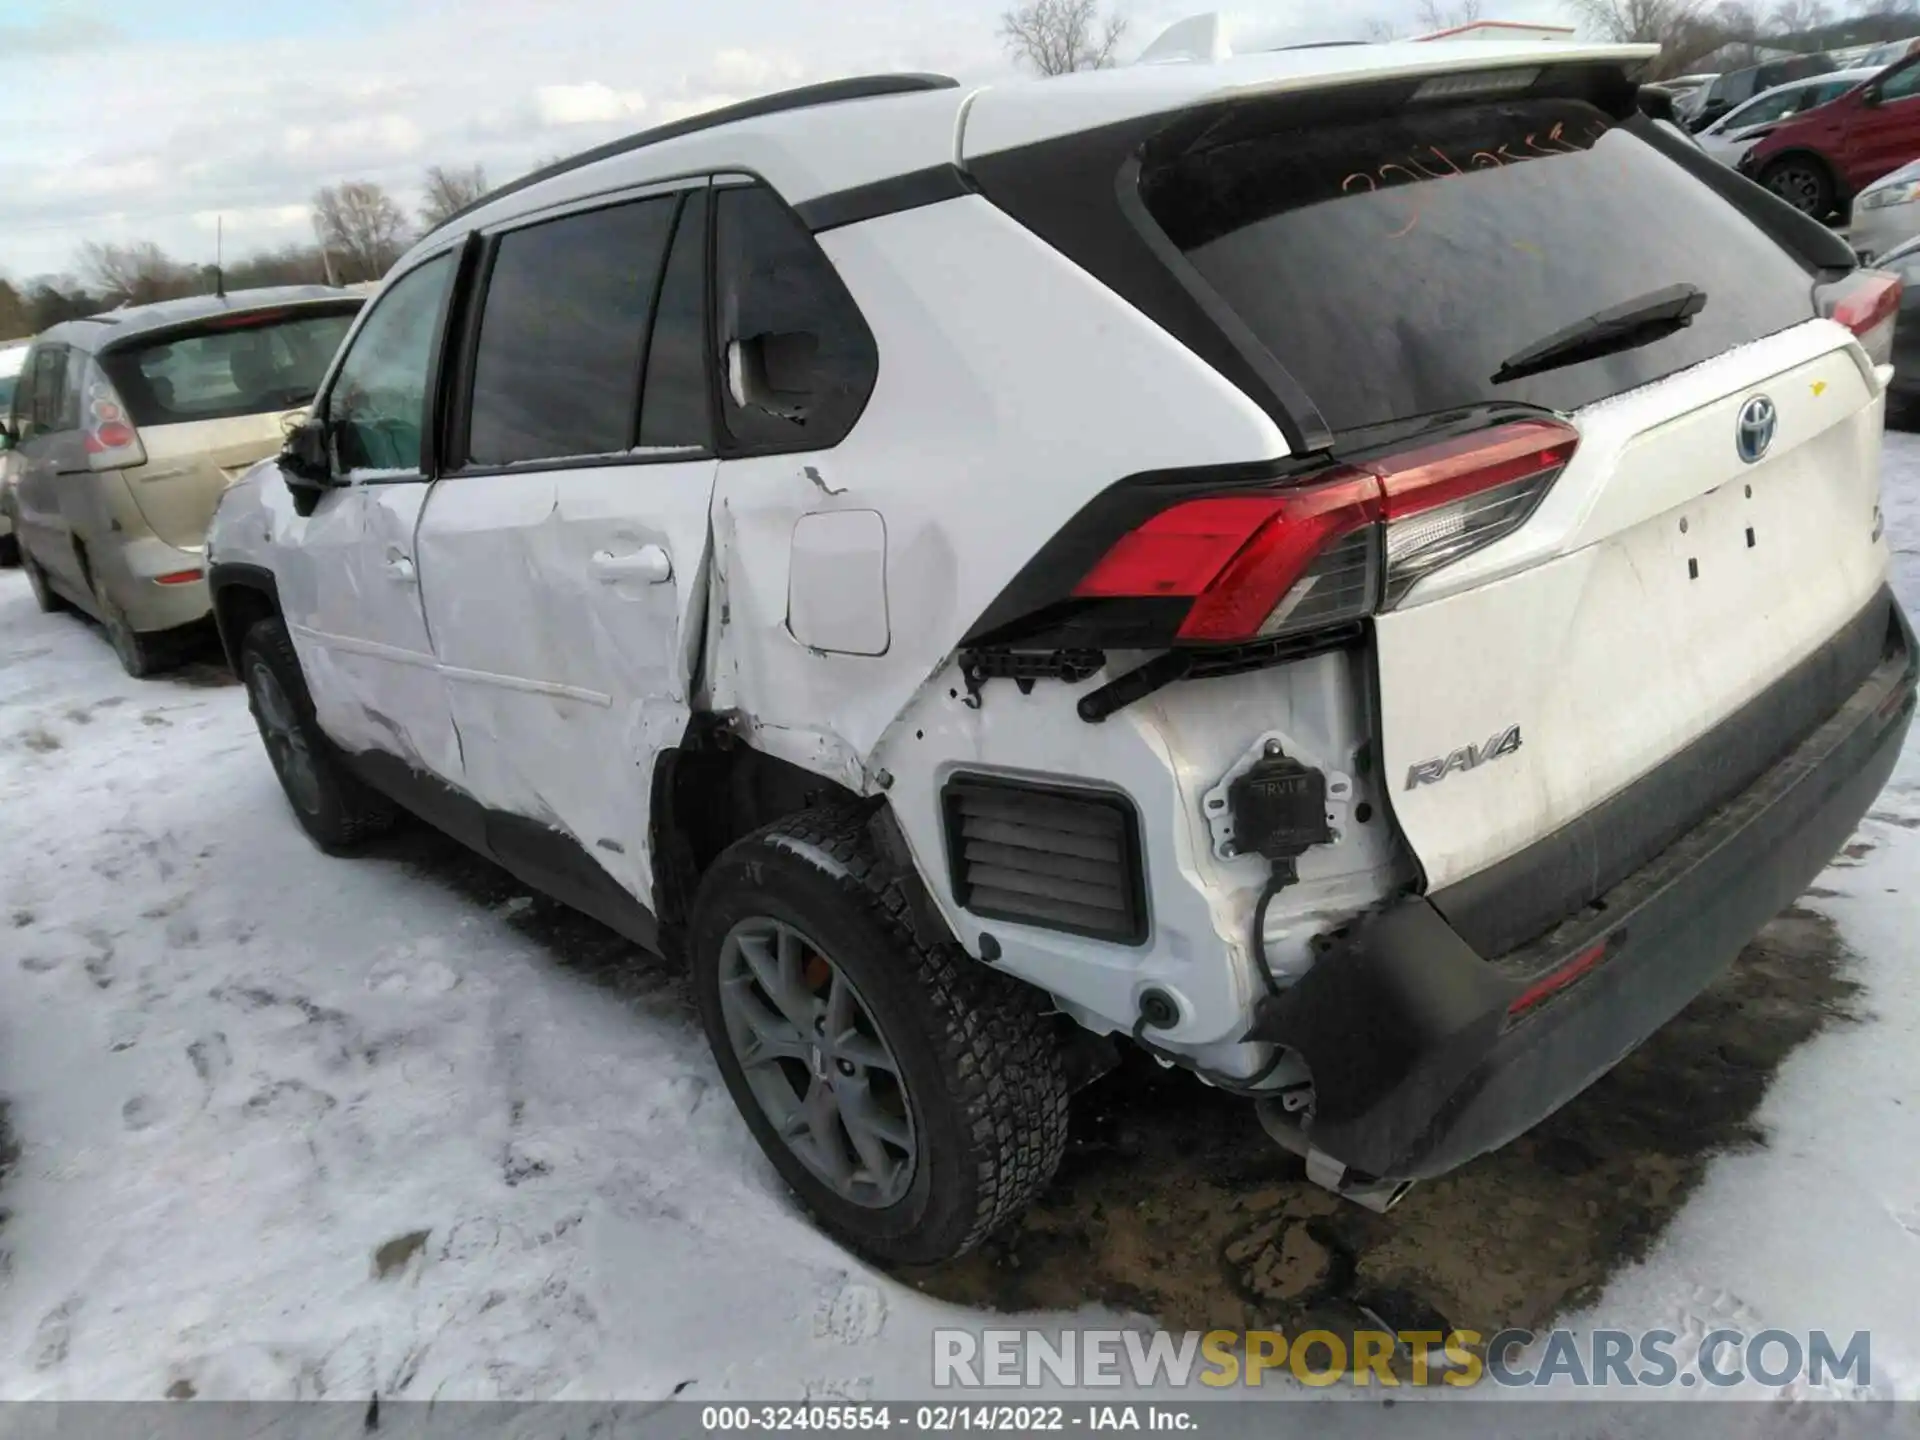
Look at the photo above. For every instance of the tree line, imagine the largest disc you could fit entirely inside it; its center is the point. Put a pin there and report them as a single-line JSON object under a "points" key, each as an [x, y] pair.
{"points": [[359, 230], [1057, 37]]}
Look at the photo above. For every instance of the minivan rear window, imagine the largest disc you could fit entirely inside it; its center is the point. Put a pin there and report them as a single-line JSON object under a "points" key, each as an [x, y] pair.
{"points": [[225, 368], [1391, 264]]}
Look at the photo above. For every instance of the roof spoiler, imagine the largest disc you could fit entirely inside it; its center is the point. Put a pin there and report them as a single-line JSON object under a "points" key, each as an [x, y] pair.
{"points": [[1197, 38]]}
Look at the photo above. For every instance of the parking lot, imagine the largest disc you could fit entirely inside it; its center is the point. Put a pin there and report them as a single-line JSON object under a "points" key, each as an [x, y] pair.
{"points": [[292, 1126]]}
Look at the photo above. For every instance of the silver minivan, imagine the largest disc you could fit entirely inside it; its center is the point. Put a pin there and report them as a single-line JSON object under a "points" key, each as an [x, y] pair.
{"points": [[126, 428]]}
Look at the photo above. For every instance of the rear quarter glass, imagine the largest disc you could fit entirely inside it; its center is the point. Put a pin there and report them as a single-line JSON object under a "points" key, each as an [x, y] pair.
{"points": [[1391, 263]]}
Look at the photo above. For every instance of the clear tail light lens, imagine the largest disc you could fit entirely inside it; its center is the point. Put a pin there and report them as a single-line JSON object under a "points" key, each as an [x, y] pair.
{"points": [[106, 428], [1339, 546]]}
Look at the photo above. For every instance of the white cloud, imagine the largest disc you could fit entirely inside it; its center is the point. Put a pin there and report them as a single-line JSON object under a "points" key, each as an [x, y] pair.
{"points": [[262, 217], [114, 179], [585, 104], [372, 137], [380, 89], [752, 70]]}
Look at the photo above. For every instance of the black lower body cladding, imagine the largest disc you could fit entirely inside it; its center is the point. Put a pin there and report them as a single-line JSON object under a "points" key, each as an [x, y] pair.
{"points": [[1426, 1053]]}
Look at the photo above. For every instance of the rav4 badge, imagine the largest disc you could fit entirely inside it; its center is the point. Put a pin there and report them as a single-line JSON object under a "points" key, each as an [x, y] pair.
{"points": [[1470, 757]]}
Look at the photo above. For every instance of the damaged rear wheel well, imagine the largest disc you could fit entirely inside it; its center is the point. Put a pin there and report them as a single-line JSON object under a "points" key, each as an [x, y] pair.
{"points": [[711, 790]]}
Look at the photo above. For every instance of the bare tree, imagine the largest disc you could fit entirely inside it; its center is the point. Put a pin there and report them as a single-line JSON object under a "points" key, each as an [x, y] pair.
{"points": [[1432, 16], [1796, 17], [1435, 16], [135, 274], [360, 229], [16, 321], [1741, 30], [1682, 29], [448, 191], [1057, 37]]}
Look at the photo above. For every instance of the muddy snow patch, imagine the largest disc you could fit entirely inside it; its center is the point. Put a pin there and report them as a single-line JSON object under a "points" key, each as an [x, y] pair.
{"points": [[1174, 1203]]}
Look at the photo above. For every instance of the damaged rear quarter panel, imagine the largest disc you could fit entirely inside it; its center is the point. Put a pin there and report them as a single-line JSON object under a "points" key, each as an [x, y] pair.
{"points": [[984, 435]]}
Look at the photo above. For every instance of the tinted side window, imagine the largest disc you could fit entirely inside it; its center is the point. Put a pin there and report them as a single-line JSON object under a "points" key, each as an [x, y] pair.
{"points": [[674, 404], [378, 405], [798, 360], [1903, 85], [557, 372], [49, 403]]}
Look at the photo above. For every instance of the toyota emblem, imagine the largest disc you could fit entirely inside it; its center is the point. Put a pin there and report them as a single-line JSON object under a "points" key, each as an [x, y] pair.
{"points": [[1753, 437]]}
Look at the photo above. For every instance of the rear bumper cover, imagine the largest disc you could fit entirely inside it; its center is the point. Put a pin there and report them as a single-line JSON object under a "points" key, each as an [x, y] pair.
{"points": [[1418, 1066]]}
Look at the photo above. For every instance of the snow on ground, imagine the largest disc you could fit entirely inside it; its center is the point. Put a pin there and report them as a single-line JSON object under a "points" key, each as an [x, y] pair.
{"points": [[292, 1126], [1821, 1229]]}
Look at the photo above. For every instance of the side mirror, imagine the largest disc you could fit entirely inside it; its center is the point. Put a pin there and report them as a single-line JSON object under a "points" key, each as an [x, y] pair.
{"points": [[305, 460], [1870, 96], [774, 372], [7, 438]]}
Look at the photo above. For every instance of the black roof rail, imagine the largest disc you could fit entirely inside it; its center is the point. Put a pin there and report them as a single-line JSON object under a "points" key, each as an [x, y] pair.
{"points": [[827, 92]]}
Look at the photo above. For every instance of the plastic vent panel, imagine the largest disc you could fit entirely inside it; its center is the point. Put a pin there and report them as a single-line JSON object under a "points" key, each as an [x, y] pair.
{"points": [[1049, 856]]}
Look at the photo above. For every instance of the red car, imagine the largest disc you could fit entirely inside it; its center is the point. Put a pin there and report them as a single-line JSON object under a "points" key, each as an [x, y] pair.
{"points": [[1820, 159]]}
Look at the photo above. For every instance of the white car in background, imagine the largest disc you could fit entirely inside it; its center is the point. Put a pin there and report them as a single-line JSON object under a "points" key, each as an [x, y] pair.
{"points": [[13, 356], [1887, 213], [1736, 132]]}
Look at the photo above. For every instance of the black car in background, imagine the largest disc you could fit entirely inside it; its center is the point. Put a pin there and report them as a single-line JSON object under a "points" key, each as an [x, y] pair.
{"points": [[1736, 87]]}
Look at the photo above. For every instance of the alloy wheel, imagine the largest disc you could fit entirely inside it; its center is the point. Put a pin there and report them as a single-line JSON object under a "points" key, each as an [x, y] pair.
{"points": [[286, 741], [817, 1062], [1801, 187]]}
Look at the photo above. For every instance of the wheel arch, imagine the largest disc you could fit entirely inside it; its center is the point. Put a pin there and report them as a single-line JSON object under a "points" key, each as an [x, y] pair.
{"points": [[243, 596], [715, 788]]}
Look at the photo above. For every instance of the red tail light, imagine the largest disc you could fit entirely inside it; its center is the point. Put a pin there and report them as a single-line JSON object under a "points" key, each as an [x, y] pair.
{"points": [[1338, 546], [178, 577], [1867, 302], [106, 429]]}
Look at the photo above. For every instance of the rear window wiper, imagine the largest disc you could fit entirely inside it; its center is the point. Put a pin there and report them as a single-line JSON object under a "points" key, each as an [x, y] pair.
{"points": [[1652, 316]]}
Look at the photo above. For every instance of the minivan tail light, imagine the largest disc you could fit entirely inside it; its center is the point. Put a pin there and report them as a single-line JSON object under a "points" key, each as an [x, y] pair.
{"points": [[1339, 545], [1867, 302], [107, 431]]}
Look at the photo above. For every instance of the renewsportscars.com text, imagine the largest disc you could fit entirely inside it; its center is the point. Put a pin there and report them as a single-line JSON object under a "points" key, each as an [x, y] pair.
{"points": [[994, 1359]]}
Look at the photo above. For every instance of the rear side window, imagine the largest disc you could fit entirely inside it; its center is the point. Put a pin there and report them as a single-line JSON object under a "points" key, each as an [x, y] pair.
{"points": [[1393, 264], [47, 404], [796, 358], [563, 333], [253, 367]]}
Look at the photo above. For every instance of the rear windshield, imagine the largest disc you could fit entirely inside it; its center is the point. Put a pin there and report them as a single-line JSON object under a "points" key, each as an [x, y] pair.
{"points": [[262, 365], [1392, 264]]}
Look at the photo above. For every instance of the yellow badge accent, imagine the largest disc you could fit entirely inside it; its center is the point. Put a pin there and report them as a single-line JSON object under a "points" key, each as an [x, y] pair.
{"points": [[1819, 388]]}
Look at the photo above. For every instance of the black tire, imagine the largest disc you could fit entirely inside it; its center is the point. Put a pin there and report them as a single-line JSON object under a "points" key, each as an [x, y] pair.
{"points": [[37, 582], [337, 809], [1803, 182], [139, 655], [983, 1077], [9, 551]]}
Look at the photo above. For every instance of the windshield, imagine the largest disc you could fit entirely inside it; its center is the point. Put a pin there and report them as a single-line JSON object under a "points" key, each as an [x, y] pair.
{"points": [[259, 365], [1392, 264]]}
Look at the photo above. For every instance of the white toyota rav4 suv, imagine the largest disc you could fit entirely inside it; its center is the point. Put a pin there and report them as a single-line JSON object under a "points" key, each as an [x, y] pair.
{"points": [[1357, 570]]}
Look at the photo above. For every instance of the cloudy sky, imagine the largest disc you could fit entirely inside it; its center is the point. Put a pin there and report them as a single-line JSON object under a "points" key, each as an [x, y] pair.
{"points": [[145, 120]]}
